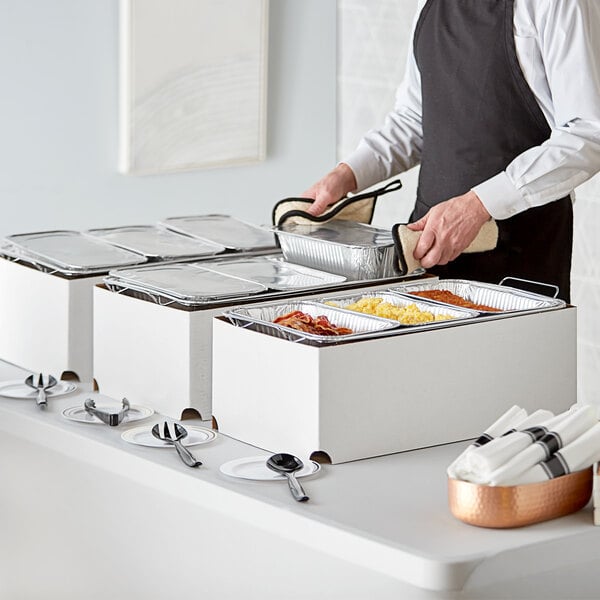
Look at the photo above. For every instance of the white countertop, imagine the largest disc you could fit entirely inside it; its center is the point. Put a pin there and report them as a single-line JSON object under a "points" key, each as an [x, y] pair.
{"points": [[387, 514]]}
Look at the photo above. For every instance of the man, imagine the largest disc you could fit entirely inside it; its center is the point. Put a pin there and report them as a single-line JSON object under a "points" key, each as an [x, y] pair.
{"points": [[500, 105]]}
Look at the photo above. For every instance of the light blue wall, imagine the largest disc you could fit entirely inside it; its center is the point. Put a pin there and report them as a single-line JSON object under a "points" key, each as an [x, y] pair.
{"points": [[58, 121]]}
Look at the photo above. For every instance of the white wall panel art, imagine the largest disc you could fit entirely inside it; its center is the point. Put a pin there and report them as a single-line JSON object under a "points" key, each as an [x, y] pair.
{"points": [[193, 83]]}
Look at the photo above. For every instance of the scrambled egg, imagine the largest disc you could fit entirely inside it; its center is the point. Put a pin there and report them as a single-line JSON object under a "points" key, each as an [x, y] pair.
{"points": [[407, 315]]}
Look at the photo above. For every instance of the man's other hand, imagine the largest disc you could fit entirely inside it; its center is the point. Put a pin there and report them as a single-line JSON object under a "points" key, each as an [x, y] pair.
{"points": [[448, 228], [331, 188]]}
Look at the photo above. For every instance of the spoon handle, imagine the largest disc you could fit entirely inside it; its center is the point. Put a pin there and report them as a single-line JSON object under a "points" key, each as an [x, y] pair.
{"points": [[296, 489], [186, 456], [41, 399]]}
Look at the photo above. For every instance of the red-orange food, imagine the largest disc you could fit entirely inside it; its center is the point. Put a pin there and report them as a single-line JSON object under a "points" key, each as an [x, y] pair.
{"points": [[319, 325], [449, 298]]}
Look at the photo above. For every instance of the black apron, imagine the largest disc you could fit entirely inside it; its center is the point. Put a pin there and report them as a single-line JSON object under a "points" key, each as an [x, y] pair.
{"points": [[478, 115]]}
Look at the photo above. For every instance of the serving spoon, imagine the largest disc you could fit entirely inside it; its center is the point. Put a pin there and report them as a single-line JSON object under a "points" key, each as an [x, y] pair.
{"points": [[180, 433], [41, 387], [288, 464]]}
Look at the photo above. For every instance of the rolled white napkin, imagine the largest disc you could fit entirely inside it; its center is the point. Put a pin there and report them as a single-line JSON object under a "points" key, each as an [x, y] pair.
{"points": [[579, 454], [511, 418], [477, 465], [561, 434]]}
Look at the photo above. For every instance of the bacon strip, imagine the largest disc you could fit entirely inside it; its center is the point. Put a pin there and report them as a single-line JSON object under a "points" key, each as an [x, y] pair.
{"points": [[319, 325]]}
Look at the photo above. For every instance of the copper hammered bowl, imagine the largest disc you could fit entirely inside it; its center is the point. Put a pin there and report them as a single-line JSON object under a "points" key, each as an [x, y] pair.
{"points": [[519, 505]]}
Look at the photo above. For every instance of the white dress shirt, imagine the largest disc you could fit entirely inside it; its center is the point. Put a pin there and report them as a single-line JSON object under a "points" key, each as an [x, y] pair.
{"points": [[558, 48]]}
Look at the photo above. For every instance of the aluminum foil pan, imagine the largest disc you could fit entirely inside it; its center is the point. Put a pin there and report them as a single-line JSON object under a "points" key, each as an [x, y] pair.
{"points": [[69, 252], [231, 233], [185, 283], [276, 274], [354, 250], [403, 301], [260, 318], [504, 298], [157, 243]]}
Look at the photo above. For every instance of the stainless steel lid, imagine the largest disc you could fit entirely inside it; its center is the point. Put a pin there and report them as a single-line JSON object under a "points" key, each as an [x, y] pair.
{"points": [[224, 230], [276, 274], [157, 243], [70, 252], [187, 283], [347, 233]]}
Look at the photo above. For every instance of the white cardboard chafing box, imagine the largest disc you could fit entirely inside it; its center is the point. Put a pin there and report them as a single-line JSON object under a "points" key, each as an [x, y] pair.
{"points": [[157, 355], [379, 396], [46, 309], [46, 320]]}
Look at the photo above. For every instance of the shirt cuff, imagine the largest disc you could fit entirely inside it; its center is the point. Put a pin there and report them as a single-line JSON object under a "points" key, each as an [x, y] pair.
{"points": [[500, 197], [366, 168]]}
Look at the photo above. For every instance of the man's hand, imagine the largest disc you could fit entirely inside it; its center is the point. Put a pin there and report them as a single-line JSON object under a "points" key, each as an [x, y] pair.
{"points": [[448, 228], [331, 188]]}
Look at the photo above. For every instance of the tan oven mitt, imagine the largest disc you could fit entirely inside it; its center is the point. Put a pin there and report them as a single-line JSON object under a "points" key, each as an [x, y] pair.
{"points": [[359, 208], [405, 241]]}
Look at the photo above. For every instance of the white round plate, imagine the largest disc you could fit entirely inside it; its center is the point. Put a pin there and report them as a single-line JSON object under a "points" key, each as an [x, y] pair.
{"points": [[255, 467], [142, 436], [20, 390], [80, 415]]}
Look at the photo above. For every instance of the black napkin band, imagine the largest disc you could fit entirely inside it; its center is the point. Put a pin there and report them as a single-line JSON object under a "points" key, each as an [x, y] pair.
{"points": [[551, 442], [556, 466], [483, 439]]}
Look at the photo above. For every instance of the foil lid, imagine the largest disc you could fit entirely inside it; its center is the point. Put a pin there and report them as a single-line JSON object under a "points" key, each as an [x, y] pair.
{"points": [[347, 233], [276, 274], [187, 283], [222, 229], [157, 243], [69, 252]]}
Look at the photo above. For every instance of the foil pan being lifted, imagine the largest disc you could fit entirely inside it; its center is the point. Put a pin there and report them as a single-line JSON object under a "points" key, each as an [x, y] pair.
{"points": [[436, 310], [259, 317], [354, 250], [504, 298], [233, 234]]}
